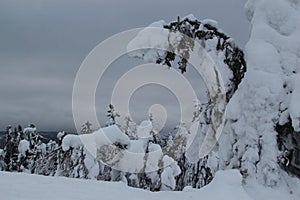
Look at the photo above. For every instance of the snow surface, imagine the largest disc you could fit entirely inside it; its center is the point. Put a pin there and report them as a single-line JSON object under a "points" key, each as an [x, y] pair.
{"points": [[225, 185], [15, 186]]}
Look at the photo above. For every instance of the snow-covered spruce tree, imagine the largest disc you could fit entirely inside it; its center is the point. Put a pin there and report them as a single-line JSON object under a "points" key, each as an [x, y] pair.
{"points": [[229, 60], [168, 175], [154, 133], [7, 148], [11, 149], [143, 160], [2, 163], [24, 150], [33, 152], [48, 161], [39, 158], [268, 95], [111, 115], [175, 148], [86, 128], [30, 134], [24, 156], [59, 153], [228, 57], [68, 157], [130, 127], [32, 149], [74, 160], [198, 172]]}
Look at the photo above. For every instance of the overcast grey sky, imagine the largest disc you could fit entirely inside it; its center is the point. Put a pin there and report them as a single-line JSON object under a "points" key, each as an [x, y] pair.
{"points": [[43, 42]]}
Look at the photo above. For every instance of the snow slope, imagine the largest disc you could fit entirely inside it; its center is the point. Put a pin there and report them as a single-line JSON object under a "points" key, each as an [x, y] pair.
{"points": [[225, 185], [15, 186]]}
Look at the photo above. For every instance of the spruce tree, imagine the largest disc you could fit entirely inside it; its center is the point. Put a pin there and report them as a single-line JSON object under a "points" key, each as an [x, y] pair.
{"points": [[111, 115]]}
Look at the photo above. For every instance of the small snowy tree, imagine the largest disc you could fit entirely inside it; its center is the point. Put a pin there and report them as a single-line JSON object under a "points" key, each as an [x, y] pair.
{"points": [[111, 115], [2, 163], [24, 155], [168, 175], [130, 128], [11, 149], [48, 161], [86, 128]]}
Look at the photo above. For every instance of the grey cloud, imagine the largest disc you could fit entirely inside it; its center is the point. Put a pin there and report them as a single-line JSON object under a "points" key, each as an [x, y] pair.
{"points": [[42, 44]]}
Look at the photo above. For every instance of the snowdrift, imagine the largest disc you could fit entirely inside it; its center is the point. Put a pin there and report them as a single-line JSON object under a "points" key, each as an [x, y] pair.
{"points": [[15, 186]]}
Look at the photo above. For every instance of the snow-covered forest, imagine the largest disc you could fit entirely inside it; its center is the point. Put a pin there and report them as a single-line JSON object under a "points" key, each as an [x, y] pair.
{"points": [[257, 155]]}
